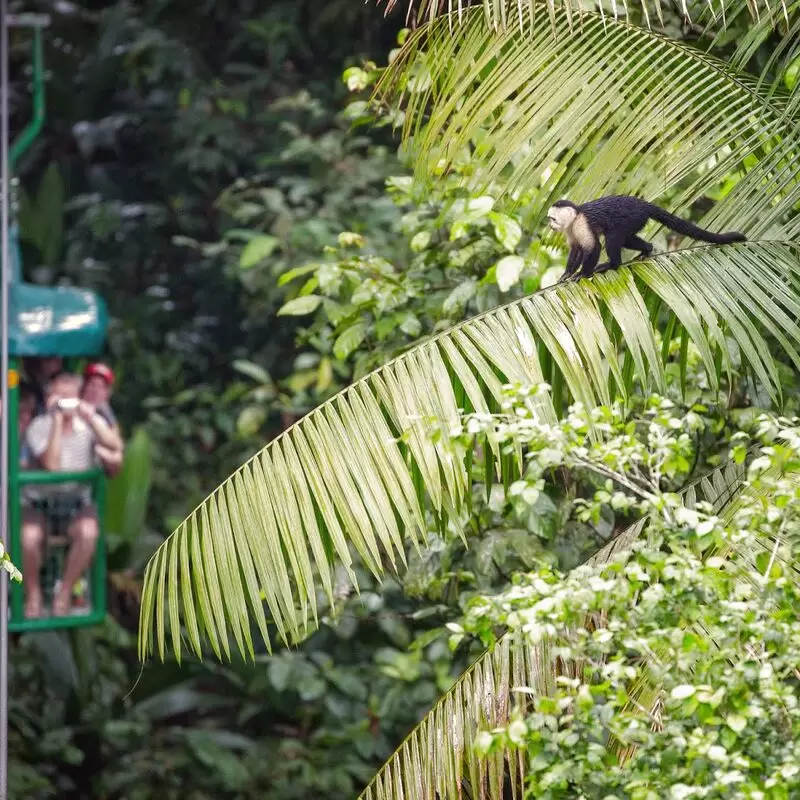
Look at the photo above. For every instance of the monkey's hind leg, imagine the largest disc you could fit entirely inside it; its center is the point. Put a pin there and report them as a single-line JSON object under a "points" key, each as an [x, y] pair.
{"points": [[634, 242], [614, 250]]}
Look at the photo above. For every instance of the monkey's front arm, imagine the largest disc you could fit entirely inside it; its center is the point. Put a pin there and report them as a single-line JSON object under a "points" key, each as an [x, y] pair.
{"points": [[574, 260]]}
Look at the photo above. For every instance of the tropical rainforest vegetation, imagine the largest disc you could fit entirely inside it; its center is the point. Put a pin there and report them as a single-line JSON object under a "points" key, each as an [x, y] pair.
{"points": [[559, 520]]}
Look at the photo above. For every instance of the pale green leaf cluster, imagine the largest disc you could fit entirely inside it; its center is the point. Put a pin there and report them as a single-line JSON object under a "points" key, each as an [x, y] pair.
{"points": [[467, 254], [683, 663], [549, 712], [8, 565]]}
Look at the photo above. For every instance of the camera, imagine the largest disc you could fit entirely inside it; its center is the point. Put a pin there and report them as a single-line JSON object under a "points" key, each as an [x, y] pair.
{"points": [[68, 403]]}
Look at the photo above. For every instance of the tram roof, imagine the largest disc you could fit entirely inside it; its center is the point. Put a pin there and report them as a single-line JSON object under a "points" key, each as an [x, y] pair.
{"points": [[55, 321]]}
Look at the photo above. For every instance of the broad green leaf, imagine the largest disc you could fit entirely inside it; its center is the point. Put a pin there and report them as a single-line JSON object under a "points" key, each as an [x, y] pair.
{"points": [[349, 340], [300, 306], [50, 212], [507, 230], [324, 374], [460, 296], [254, 371], [257, 249], [792, 74], [508, 270], [250, 420], [289, 276], [420, 241], [127, 493], [27, 218]]}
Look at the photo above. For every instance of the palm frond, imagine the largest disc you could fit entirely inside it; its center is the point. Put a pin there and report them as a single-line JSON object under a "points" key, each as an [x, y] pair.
{"points": [[427, 10], [357, 473], [781, 18], [771, 17], [601, 107], [438, 756], [500, 13]]}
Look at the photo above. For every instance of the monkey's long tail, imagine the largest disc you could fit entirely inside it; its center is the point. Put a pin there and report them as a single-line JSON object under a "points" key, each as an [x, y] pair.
{"points": [[688, 229]]}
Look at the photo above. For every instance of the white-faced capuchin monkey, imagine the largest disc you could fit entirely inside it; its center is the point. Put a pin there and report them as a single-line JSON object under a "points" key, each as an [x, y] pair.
{"points": [[618, 218]]}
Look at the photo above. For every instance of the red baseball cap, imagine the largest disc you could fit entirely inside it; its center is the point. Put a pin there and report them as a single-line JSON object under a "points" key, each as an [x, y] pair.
{"points": [[101, 371]]}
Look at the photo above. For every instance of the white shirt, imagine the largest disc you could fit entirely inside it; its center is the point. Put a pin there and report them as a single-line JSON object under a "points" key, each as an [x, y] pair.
{"points": [[77, 447]]}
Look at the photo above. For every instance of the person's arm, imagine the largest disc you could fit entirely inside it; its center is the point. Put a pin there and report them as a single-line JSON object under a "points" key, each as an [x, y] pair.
{"points": [[110, 459], [104, 433], [36, 438], [51, 457]]}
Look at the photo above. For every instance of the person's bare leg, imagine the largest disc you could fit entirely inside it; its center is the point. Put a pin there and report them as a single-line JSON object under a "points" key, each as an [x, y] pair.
{"points": [[32, 543], [84, 532]]}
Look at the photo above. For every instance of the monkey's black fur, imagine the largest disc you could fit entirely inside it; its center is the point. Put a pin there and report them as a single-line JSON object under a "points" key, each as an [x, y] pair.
{"points": [[619, 218]]}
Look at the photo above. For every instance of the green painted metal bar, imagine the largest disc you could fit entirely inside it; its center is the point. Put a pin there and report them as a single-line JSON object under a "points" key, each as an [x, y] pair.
{"points": [[95, 617], [34, 127], [40, 476], [97, 569]]}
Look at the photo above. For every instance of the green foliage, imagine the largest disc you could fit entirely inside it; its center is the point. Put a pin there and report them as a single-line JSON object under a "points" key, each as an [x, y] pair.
{"points": [[317, 720], [631, 120], [462, 248], [125, 193], [460, 252], [41, 216], [156, 109], [583, 673], [761, 38], [126, 501], [679, 664], [457, 255]]}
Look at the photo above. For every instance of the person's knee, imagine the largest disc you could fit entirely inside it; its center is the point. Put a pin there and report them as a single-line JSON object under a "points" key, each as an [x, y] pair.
{"points": [[85, 529], [32, 533]]}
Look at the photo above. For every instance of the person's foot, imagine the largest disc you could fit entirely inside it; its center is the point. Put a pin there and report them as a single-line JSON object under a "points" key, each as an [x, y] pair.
{"points": [[62, 604]]}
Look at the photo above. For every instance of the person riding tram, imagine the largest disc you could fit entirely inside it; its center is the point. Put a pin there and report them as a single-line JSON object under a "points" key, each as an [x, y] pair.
{"points": [[72, 435]]}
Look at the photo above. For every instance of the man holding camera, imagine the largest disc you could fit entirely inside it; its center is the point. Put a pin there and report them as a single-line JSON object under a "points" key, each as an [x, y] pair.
{"points": [[63, 439]]}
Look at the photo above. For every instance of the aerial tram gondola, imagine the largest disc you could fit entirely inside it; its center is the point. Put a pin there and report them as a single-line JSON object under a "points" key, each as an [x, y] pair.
{"points": [[69, 323]]}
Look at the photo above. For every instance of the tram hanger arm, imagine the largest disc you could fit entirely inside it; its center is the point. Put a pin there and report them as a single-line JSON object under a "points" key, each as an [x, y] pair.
{"points": [[34, 127]]}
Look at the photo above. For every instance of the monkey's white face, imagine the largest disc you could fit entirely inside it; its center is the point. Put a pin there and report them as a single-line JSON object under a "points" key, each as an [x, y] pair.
{"points": [[559, 218]]}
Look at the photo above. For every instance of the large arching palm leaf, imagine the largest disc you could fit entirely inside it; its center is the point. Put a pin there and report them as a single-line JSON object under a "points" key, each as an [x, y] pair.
{"points": [[773, 26], [781, 17], [767, 18], [617, 108], [339, 480], [438, 760]]}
